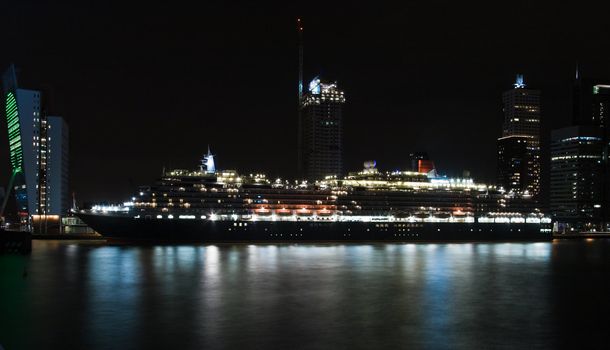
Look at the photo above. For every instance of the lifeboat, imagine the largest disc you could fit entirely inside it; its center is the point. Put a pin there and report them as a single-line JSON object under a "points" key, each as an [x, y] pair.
{"points": [[422, 214], [263, 211], [303, 212], [324, 212], [459, 213], [402, 214], [283, 212], [442, 215]]}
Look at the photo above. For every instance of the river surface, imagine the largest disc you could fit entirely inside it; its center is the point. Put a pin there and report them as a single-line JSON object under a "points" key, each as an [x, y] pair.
{"points": [[90, 295]]}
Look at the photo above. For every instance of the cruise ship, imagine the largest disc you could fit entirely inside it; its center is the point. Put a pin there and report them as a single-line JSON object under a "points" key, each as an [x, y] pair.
{"points": [[206, 205]]}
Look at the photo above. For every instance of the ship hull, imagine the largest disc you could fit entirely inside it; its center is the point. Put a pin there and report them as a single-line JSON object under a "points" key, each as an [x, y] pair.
{"points": [[125, 228]]}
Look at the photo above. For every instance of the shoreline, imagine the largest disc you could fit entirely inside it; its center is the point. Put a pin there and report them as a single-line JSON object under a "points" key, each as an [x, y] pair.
{"points": [[93, 237], [580, 235], [69, 236]]}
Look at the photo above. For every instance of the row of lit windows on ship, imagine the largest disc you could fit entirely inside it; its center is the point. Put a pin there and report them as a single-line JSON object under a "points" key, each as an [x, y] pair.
{"points": [[288, 200], [527, 108], [529, 120], [367, 191], [253, 195]]}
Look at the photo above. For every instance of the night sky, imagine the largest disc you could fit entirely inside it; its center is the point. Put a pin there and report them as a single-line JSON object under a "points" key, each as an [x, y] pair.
{"points": [[152, 86]]}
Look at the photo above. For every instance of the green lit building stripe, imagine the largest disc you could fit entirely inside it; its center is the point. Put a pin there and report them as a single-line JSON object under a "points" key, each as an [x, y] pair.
{"points": [[14, 133]]}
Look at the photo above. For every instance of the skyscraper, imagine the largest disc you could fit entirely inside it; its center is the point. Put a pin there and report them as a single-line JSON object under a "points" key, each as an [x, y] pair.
{"points": [[591, 107], [37, 151], [321, 130], [513, 158], [58, 160], [518, 166], [591, 102], [577, 176], [580, 188]]}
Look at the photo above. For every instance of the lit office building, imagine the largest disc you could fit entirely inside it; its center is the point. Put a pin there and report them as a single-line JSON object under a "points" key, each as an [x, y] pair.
{"points": [[37, 151], [577, 176], [591, 106], [321, 130], [519, 167], [57, 165], [513, 155]]}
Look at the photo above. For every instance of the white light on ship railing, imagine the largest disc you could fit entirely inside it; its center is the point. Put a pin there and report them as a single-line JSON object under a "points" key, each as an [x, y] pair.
{"points": [[170, 216], [159, 216], [213, 217]]}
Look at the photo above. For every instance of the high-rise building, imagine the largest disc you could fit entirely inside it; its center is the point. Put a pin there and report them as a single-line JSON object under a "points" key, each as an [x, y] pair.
{"points": [[321, 130], [591, 107], [37, 150], [591, 102], [513, 155], [577, 176], [521, 107], [58, 160]]}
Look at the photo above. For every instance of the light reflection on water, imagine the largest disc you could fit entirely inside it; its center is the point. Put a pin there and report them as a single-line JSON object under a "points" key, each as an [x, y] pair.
{"points": [[470, 295]]}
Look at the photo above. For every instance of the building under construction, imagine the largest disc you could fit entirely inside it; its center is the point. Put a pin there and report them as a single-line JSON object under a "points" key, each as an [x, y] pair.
{"points": [[320, 124]]}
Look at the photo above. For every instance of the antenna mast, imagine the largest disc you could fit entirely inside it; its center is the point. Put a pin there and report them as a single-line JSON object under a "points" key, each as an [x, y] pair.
{"points": [[300, 31], [300, 101]]}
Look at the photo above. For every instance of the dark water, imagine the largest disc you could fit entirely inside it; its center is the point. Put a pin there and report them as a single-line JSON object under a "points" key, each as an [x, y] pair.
{"points": [[85, 295]]}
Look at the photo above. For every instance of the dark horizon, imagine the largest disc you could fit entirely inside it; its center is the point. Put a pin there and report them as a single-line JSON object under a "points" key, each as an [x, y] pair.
{"points": [[144, 91]]}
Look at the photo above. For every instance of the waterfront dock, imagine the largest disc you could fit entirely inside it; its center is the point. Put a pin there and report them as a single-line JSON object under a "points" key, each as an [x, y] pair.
{"points": [[69, 236], [581, 235]]}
